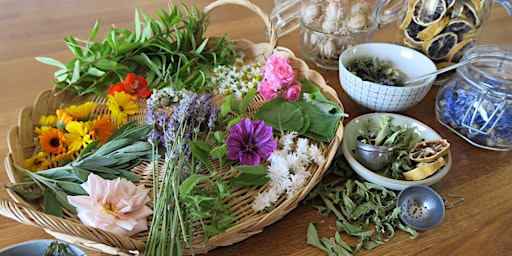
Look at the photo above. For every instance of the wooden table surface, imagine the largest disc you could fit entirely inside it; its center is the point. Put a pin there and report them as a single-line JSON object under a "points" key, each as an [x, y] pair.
{"points": [[480, 225]]}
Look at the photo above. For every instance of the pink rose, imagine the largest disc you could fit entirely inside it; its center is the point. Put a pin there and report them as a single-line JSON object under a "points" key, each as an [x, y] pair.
{"points": [[118, 206], [292, 93], [267, 90], [278, 70]]}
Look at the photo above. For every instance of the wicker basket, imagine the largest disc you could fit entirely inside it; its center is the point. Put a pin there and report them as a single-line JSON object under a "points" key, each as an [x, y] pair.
{"points": [[22, 144]]}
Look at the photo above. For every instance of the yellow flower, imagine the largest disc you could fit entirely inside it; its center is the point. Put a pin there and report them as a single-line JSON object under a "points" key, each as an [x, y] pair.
{"points": [[78, 135], [80, 112], [46, 121], [120, 106], [36, 163], [52, 140]]}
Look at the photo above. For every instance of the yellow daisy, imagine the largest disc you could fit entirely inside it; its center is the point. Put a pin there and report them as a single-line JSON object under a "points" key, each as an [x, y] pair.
{"points": [[77, 136], [120, 106], [36, 163], [63, 118], [46, 121], [81, 112]]}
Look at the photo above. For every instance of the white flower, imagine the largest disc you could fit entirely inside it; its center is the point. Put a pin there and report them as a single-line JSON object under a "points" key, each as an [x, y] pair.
{"points": [[118, 206], [287, 140]]}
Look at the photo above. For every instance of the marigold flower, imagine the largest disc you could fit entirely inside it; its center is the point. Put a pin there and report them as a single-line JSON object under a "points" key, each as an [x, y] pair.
{"points": [[63, 118], [80, 112], [118, 206], [77, 135], [101, 128], [36, 163], [46, 121], [120, 106], [250, 141], [52, 140]]}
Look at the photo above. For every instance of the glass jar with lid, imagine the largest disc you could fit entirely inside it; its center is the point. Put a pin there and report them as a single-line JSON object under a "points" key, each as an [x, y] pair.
{"points": [[476, 102], [444, 29]]}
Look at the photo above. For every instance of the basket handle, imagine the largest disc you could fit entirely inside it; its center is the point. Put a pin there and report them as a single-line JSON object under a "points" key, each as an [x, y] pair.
{"points": [[271, 32]]}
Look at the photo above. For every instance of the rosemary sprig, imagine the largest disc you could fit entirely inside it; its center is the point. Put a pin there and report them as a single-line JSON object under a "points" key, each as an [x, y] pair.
{"points": [[169, 50]]}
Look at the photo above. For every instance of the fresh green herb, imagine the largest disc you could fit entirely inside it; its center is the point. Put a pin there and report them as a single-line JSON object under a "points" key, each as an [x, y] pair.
{"points": [[363, 210], [376, 71], [56, 248], [168, 50], [122, 151]]}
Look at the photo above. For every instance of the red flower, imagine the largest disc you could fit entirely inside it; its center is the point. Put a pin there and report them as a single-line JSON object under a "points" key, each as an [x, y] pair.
{"points": [[136, 86]]}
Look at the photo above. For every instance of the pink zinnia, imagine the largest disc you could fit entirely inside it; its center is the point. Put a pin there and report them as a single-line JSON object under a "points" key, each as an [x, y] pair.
{"points": [[249, 142]]}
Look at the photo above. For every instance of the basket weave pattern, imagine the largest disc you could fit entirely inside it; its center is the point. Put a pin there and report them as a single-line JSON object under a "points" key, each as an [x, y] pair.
{"points": [[22, 143]]}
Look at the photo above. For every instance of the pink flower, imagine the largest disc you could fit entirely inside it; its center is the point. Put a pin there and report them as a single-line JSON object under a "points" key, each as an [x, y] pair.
{"points": [[249, 141], [292, 93], [278, 70], [118, 206], [266, 90]]}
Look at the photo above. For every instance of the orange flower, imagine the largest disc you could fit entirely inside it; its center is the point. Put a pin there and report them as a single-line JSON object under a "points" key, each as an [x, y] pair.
{"points": [[52, 140], [64, 158], [63, 118], [101, 128], [119, 87]]}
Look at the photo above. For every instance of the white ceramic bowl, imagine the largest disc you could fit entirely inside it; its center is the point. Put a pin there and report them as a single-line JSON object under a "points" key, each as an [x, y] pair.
{"points": [[36, 248], [353, 128], [384, 98]]}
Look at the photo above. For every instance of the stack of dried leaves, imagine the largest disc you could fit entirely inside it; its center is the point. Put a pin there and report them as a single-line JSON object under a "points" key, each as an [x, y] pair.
{"points": [[363, 210]]}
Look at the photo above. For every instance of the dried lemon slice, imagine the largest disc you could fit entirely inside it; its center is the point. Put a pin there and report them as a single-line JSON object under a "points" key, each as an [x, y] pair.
{"points": [[433, 29], [429, 150], [461, 27], [424, 170], [458, 51], [438, 47], [411, 33], [427, 12]]}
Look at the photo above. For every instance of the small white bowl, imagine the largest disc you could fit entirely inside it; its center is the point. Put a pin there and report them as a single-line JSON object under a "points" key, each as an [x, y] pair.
{"points": [[353, 128], [384, 98], [37, 247]]}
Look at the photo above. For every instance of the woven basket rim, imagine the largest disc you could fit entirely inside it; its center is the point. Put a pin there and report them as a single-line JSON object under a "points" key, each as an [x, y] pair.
{"points": [[105, 241]]}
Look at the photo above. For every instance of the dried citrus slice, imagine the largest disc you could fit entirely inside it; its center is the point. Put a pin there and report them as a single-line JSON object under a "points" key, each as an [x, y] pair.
{"points": [[433, 29], [408, 16], [438, 47], [427, 12], [461, 27], [429, 150], [424, 170], [411, 33], [472, 12], [458, 51], [444, 64]]}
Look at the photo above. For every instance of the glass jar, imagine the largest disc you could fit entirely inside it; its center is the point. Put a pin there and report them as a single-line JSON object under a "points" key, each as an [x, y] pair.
{"points": [[476, 102], [442, 29]]}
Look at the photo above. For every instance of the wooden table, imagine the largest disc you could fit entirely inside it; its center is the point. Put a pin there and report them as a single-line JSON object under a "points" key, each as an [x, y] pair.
{"points": [[481, 225]]}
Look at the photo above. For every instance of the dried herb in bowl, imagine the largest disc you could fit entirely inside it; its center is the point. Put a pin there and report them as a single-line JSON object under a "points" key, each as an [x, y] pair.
{"points": [[377, 71]]}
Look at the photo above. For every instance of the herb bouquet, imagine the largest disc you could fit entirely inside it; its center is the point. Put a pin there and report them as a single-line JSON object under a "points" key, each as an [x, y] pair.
{"points": [[165, 142]]}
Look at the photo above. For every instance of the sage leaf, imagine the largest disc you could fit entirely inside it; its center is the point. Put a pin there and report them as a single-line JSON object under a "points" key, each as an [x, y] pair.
{"points": [[313, 238], [51, 205], [52, 62]]}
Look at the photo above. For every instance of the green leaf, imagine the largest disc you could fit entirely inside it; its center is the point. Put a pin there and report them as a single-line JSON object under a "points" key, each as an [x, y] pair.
{"points": [[52, 62], [201, 47], [76, 72], [95, 72], [219, 152], [62, 198], [51, 205], [106, 64], [201, 150], [190, 183], [94, 31], [281, 115], [71, 188], [251, 169], [247, 179], [313, 238]]}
